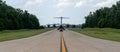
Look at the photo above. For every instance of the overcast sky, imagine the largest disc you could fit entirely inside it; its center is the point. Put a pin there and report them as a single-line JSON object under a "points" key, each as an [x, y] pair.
{"points": [[46, 10]]}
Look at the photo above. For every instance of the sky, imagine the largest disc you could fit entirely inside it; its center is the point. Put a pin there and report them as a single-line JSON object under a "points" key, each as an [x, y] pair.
{"points": [[47, 10]]}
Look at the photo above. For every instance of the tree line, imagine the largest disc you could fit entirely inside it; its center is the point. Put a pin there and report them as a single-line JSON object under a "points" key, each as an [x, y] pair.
{"points": [[12, 19], [64, 25], [104, 17]]}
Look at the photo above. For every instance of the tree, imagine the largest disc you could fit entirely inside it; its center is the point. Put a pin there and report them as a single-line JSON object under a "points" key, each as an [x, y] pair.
{"points": [[73, 26], [12, 19], [68, 25], [54, 25], [104, 17], [48, 26]]}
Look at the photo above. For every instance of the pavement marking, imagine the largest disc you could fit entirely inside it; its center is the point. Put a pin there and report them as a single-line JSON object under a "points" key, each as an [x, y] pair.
{"points": [[63, 46]]}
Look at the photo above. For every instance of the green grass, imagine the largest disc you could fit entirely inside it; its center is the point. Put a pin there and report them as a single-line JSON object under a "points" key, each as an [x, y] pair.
{"points": [[6, 35], [102, 33]]}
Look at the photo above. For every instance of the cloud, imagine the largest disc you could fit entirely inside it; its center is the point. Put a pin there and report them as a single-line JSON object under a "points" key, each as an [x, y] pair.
{"points": [[106, 3], [33, 2], [68, 3], [80, 3], [63, 3], [59, 11], [91, 0]]}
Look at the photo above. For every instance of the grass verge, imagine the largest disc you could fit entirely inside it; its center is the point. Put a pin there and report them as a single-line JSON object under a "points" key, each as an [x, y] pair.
{"points": [[6, 35], [102, 33]]}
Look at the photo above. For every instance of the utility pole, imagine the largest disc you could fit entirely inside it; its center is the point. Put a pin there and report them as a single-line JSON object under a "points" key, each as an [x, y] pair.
{"points": [[61, 19]]}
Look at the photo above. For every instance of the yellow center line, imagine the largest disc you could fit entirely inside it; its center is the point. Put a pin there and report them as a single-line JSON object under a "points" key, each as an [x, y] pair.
{"points": [[63, 43]]}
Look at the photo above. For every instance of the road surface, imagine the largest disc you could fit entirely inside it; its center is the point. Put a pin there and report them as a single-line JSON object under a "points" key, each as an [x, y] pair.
{"points": [[51, 42]]}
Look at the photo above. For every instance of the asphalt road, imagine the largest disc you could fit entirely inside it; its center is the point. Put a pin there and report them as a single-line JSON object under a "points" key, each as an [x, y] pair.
{"points": [[51, 42]]}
